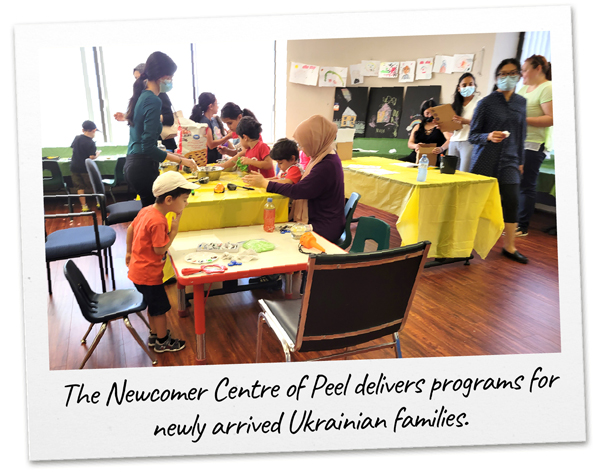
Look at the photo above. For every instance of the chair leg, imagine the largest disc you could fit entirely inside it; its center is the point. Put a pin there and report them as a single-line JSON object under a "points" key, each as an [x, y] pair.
{"points": [[49, 279], [112, 269], [87, 333], [261, 322], [303, 282], [397, 345], [94, 345], [101, 271], [112, 196], [141, 315], [138, 339]]}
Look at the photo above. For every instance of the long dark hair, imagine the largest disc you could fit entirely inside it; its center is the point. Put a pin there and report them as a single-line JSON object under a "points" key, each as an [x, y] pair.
{"points": [[232, 111], [157, 66], [204, 100], [459, 100], [426, 105], [504, 62], [538, 60]]}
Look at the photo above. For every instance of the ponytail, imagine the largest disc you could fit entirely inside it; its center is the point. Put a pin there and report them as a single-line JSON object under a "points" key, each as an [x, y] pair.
{"points": [[138, 87], [538, 60], [248, 113]]}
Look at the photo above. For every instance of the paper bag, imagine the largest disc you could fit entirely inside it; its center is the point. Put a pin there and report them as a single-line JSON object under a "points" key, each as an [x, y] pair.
{"points": [[443, 116], [192, 139], [428, 150]]}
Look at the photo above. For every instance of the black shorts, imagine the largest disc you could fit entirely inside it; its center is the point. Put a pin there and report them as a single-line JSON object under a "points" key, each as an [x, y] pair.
{"points": [[156, 298]]}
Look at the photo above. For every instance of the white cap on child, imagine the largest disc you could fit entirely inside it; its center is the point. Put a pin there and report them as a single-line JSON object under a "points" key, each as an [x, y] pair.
{"points": [[169, 181]]}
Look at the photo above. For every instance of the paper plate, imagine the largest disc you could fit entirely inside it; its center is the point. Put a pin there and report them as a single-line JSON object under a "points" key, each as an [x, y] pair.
{"points": [[201, 257]]}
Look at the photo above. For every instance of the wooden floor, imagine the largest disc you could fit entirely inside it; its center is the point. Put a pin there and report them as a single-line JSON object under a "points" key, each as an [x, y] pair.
{"points": [[490, 307]]}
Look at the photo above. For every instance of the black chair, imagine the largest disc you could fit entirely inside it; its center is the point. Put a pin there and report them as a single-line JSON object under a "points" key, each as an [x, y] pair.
{"points": [[55, 182], [121, 212], [80, 241], [371, 229], [118, 179], [346, 237], [105, 307], [350, 299]]}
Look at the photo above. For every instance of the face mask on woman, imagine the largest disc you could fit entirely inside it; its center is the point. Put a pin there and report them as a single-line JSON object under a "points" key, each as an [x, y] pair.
{"points": [[467, 91], [507, 83], [166, 86]]}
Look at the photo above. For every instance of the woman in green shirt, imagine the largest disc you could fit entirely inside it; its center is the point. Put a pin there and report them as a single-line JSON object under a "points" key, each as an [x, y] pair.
{"points": [[143, 117], [537, 89]]}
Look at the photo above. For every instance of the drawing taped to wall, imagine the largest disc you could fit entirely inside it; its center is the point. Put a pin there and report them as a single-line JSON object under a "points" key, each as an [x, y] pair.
{"points": [[388, 69], [407, 71], [331, 76], [306, 74]]}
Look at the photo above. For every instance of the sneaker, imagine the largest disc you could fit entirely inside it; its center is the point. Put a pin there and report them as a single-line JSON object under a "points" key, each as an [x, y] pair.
{"points": [[85, 208], [171, 344], [152, 338], [521, 232]]}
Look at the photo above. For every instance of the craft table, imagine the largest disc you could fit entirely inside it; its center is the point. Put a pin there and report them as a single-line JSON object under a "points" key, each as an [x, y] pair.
{"points": [[209, 210], [456, 213], [284, 259]]}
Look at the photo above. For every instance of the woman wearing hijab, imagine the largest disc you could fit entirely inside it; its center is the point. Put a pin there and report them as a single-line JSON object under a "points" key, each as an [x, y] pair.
{"points": [[319, 195]]}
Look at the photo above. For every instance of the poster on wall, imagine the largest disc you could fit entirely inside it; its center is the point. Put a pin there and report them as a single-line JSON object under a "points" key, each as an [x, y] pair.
{"points": [[443, 64], [388, 70], [356, 75], [411, 112], [370, 67], [407, 71], [350, 110], [307, 74], [424, 68], [384, 111], [331, 76], [463, 63]]}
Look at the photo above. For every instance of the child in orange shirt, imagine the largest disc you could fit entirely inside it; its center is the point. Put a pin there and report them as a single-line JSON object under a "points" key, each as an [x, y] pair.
{"points": [[148, 239], [285, 153]]}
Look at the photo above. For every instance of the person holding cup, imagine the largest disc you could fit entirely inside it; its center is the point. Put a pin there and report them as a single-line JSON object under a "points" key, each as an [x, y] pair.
{"points": [[498, 131]]}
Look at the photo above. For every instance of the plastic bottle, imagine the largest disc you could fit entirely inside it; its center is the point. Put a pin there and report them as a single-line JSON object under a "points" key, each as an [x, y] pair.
{"points": [[269, 216], [423, 164]]}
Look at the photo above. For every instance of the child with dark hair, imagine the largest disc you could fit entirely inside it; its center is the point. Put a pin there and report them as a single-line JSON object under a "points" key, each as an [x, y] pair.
{"points": [[231, 114], [83, 147], [285, 153], [205, 113], [255, 153], [148, 239]]}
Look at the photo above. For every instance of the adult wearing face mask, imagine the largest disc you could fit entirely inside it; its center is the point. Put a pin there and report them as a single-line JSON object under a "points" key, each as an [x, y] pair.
{"points": [[498, 130], [537, 89], [143, 116], [427, 133], [465, 100]]}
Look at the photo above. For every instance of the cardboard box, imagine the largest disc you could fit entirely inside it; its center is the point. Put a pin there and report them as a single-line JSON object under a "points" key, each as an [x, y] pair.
{"points": [[428, 150], [345, 143]]}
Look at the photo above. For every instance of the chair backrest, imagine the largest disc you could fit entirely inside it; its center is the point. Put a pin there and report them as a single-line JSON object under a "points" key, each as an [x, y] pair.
{"points": [[55, 181], [354, 298], [97, 185], [371, 228], [346, 237], [86, 297], [119, 171]]}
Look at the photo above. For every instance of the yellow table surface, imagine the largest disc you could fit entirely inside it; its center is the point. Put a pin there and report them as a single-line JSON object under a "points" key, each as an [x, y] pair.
{"points": [[210, 210], [457, 213]]}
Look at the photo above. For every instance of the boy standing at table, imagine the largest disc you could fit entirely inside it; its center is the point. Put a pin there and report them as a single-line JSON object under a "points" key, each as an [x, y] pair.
{"points": [[148, 239], [83, 147]]}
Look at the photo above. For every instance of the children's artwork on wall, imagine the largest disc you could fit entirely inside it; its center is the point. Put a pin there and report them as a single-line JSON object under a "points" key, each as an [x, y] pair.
{"points": [[356, 75], [331, 76], [370, 68], [443, 64], [384, 111], [463, 63], [407, 71], [351, 108], [411, 111], [424, 68], [388, 70], [306, 74]]}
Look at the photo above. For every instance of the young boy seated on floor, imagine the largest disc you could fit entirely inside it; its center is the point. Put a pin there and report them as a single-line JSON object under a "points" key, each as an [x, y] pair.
{"points": [[148, 239], [83, 147], [255, 153], [285, 153]]}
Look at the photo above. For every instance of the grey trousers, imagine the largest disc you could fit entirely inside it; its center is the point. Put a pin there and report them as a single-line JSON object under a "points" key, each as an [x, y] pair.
{"points": [[461, 149]]}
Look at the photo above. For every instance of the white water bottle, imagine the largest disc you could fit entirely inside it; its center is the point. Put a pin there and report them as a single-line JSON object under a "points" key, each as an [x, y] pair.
{"points": [[423, 164]]}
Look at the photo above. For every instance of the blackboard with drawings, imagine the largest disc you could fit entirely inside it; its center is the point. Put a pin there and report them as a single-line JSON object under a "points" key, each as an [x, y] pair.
{"points": [[350, 108], [384, 112], [415, 95]]}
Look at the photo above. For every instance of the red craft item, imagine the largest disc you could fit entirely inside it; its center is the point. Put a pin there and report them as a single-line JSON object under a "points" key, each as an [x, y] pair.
{"points": [[207, 269]]}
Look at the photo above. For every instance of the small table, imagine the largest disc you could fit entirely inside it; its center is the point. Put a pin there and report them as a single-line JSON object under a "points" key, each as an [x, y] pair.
{"points": [[284, 259], [457, 213]]}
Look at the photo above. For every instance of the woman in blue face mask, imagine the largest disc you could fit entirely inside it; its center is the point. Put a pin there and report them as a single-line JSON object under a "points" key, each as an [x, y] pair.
{"points": [[498, 131], [465, 100], [144, 119]]}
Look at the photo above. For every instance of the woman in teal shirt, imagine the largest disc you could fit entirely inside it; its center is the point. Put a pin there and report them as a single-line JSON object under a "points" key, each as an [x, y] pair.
{"points": [[143, 117]]}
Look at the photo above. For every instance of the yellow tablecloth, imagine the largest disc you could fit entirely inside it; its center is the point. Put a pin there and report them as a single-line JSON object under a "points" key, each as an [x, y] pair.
{"points": [[457, 213]]}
